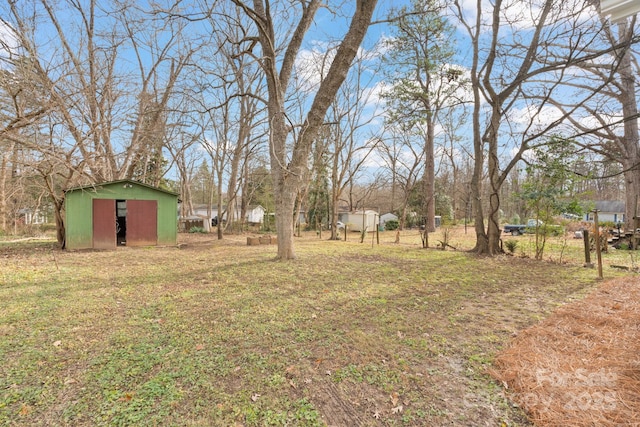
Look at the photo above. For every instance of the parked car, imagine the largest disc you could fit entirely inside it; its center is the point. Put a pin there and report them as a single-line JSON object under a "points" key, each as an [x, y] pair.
{"points": [[531, 226]]}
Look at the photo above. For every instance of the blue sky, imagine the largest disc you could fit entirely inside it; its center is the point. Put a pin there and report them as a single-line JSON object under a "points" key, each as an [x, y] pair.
{"points": [[330, 26]]}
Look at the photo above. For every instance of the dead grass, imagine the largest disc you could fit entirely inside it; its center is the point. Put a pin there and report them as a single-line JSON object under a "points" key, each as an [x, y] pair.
{"points": [[217, 333]]}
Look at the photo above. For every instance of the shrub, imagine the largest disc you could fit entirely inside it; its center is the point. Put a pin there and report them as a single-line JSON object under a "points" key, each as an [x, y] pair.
{"points": [[197, 230], [391, 224], [511, 245]]}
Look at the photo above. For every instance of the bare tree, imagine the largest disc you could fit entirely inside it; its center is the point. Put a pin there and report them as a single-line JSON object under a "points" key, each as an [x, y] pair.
{"points": [[289, 152], [608, 124], [347, 142], [217, 129], [229, 103], [519, 58], [86, 89], [21, 105], [244, 74], [404, 159], [453, 153]]}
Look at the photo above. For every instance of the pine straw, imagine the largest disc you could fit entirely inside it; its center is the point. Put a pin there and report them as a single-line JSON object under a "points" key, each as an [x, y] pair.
{"points": [[581, 366]]}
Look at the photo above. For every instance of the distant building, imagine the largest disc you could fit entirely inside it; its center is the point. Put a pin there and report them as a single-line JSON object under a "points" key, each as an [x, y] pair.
{"points": [[356, 220], [608, 211], [387, 217], [254, 213], [30, 216]]}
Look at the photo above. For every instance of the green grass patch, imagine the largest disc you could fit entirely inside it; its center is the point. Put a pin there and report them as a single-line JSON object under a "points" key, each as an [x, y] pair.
{"points": [[222, 335]]}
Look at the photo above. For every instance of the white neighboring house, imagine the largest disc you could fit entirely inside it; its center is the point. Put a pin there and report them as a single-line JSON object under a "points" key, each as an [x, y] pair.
{"points": [[387, 217], [30, 216], [357, 219], [608, 211], [254, 214], [618, 10]]}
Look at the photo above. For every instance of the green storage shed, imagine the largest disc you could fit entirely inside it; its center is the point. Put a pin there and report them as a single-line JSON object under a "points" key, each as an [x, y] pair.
{"points": [[119, 213]]}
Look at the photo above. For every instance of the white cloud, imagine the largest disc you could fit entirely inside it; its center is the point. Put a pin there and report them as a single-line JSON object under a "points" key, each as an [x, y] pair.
{"points": [[614, 120], [536, 116], [9, 42], [519, 14], [312, 65]]}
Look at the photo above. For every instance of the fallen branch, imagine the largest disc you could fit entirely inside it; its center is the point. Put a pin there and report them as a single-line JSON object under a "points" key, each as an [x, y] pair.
{"points": [[444, 245]]}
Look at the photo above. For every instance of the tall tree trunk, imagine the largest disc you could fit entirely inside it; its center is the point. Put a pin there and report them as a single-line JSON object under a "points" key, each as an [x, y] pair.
{"points": [[631, 138], [493, 226], [211, 197], [286, 183], [454, 192], [632, 192], [288, 168], [475, 186], [335, 195], [244, 134], [60, 225], [285, 188], [244, 190], [482, 241], [58, 207], [4, 194], [402, 220], [221, 211], [429, 177]]}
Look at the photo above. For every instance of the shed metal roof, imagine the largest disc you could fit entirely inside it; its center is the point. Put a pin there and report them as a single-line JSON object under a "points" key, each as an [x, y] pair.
{"points": [[121, 181]]}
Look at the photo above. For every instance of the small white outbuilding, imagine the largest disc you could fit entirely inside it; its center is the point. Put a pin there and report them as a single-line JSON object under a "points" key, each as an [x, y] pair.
{"points": [[358, 220]]}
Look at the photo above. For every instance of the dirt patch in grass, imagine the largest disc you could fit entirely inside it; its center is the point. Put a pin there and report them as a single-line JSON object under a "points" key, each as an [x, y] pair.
{"points": [[581, 366], [217, 333]]}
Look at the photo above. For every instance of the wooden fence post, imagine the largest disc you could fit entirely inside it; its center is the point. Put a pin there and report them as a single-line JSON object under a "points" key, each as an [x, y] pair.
{"points": [[587, 249]]}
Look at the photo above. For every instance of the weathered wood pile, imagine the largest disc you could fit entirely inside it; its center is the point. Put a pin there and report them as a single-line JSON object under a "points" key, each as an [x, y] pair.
{"points": [[261, 240]]}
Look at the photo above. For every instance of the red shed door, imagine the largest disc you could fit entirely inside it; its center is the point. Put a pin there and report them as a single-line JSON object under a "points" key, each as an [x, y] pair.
{"points": [[104, 224], [142, 222]]}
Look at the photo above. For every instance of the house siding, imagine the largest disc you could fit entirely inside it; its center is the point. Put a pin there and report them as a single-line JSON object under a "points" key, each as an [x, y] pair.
{"points": [[355, 220], [608, 211], [253, 214]]}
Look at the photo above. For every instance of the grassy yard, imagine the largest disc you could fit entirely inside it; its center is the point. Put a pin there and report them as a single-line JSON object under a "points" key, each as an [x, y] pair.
{"points": [[217, 333]]}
